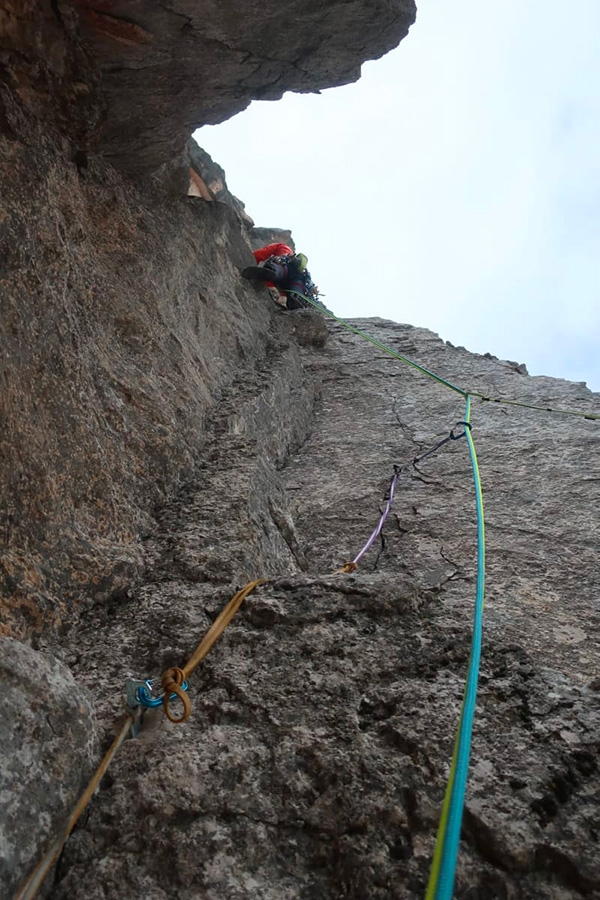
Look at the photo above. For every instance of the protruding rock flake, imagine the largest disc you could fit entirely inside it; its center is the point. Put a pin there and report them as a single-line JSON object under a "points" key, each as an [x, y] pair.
{"points": [[215, 58]]}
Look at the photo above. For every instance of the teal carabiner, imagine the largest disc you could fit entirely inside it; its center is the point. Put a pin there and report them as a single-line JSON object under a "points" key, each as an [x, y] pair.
{"points": [[145, 698], [141, 693]]}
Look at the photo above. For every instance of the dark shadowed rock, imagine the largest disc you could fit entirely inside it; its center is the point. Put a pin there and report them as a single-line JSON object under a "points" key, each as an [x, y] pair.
{"points": [[214, 58], [120, 328], [135, 79]]}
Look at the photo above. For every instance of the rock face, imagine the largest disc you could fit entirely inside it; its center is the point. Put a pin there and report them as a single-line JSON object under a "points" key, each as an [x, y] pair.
{"points": [[134, 79], [314, 763], [119, 330], [315, 760], [47, 744], [213, 177], [121, 323], [217, 57], [168, 434], [260, 236]]}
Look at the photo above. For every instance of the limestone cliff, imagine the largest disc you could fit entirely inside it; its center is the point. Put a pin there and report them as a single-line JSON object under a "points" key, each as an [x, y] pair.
{"points": [[314, 763], [168, 434]]}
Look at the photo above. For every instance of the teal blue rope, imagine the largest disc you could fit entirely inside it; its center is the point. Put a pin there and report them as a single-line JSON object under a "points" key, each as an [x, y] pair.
{"points": [[443, 870], [458, 780]]}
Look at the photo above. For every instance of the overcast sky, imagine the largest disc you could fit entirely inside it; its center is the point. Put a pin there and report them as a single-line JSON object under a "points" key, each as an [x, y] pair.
{"points": [[456, 186]]}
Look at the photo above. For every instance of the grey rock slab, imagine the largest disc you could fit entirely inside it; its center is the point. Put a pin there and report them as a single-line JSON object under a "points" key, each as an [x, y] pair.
{"points": [[48, 743], [316, 756], [315, 761], [539, 472]]}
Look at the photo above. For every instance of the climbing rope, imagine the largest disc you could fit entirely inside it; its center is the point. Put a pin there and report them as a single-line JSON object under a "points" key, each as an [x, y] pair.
{"points": [[443, 869], [441, 879], [384, 347], [174, 684], [465, 393], [173, 681], [352, 566], [174, 678], [551, 409], [33, 883]]}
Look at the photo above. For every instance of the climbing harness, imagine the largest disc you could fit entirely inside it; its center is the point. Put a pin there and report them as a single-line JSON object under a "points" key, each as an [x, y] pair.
{"points": [[352, 566]]}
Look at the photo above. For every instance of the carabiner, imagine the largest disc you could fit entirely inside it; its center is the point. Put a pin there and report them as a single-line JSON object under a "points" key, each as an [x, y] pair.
{"points": [[141, 693]]}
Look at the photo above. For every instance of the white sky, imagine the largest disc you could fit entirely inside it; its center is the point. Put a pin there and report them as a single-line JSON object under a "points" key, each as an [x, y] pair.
{"points": [[456, 186]]}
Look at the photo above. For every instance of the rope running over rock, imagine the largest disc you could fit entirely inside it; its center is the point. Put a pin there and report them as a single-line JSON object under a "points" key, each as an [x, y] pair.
{"points": [[174, 678], [443, 869], [128, 724], [33, 883], [465, 393]]}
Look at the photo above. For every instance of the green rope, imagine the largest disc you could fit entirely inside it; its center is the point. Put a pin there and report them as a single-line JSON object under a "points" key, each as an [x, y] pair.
{"points": [[550, 409], [381, 346], [563, 412]]}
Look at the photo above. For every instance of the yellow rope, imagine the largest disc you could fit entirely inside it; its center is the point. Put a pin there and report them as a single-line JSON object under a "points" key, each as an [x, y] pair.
{"points": [[174, 678], [172, 681], [346, 569], [32, 885]]}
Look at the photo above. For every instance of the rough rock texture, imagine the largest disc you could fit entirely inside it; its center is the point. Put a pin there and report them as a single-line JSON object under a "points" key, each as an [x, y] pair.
{"points": [[213, 177], [259, 236], [47, 748], [315, 760], [122, 319], [215, 57], [168, 433], [123, 314], [134, 79]]}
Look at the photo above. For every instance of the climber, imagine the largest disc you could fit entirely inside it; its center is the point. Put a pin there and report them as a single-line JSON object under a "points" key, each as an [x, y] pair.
{"points": [[285, 271]]}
